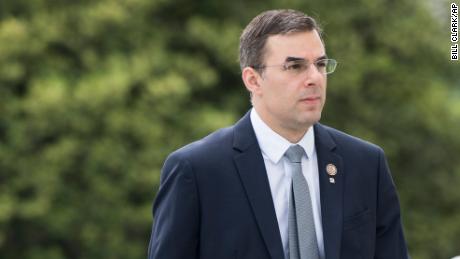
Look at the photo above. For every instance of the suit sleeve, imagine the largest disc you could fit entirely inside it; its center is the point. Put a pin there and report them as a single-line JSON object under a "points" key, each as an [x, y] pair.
{"points": [[390, 242], [175, 231]]}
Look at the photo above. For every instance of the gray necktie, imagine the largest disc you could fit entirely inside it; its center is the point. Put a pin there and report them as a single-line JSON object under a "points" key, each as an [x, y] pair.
{"points": [[302, 234]]}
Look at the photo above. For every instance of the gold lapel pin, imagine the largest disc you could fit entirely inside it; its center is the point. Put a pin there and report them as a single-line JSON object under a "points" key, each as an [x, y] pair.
{"points": [[331, 170]]}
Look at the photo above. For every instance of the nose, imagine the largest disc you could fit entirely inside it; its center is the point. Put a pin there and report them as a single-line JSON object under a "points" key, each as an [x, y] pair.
{"points": [[312, 76]]}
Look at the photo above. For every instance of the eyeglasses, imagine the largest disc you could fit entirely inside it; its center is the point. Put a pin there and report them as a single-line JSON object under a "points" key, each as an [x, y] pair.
{"points": [[296, 67]]}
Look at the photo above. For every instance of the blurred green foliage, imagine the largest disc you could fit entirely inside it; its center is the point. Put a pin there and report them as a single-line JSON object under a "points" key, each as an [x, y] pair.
{"points": [[95, 94]]}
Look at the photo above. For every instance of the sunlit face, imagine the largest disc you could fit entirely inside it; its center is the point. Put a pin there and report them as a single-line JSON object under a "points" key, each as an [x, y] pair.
{"points": [[291, 101]]}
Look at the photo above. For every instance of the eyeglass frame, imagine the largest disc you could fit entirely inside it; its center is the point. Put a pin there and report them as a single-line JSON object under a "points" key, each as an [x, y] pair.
{"points": [[297, 61]]}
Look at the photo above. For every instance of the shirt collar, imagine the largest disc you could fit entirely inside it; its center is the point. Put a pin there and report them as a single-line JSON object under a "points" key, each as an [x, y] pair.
{"points": [[274, 145]]}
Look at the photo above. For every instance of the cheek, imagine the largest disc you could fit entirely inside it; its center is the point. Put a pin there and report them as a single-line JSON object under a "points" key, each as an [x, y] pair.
{"points": [[279, 100], [275, 92], [281, 95]]}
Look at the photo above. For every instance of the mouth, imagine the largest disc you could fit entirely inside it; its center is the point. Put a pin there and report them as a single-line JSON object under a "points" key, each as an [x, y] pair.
{"points": [[311, 100]]}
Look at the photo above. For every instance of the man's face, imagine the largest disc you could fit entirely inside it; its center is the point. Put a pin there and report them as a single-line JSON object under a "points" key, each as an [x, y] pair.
{"points": [[286, 99]]}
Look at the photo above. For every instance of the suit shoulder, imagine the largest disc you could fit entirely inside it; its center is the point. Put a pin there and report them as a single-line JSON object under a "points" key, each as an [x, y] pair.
{"points": [[348, 141], [211, 145]]}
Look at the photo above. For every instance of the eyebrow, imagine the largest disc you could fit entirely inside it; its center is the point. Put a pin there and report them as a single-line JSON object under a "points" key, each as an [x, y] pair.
{"points": [[290, 59]]}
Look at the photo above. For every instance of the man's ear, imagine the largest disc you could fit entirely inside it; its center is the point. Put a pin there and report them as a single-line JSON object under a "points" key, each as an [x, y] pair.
{"points": [[251, 79]]}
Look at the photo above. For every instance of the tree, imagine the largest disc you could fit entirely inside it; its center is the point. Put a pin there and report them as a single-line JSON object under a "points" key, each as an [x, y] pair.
{"points": [[95, 94]]}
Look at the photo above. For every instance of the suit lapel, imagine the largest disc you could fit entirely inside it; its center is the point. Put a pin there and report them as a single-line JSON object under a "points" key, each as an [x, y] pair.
{"points": [[331, 193], [251, 168]]}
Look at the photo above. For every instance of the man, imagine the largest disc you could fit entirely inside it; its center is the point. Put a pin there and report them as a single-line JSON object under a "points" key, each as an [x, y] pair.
{"points": [[278, 184]]}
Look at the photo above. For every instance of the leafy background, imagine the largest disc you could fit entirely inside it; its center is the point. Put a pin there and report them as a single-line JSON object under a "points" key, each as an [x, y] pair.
{"points": [[95, 94]]}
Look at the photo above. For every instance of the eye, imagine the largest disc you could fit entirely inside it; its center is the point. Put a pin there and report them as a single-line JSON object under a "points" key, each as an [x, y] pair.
{"points": [[295, 66], [321, 63]]}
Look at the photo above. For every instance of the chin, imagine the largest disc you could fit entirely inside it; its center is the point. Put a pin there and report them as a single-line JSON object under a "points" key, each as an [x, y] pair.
{"points": [[310, 120]]}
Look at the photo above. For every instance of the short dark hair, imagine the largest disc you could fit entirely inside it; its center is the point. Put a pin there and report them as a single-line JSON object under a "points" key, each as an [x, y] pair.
{"points": [[272, 22]]}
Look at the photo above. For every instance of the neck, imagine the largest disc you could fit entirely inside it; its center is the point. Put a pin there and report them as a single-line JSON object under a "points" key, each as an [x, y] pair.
{"points": [[292, 133]]}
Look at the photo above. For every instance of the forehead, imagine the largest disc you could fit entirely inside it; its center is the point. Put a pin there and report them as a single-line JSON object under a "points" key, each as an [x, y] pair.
{"points": [[307, 45]]}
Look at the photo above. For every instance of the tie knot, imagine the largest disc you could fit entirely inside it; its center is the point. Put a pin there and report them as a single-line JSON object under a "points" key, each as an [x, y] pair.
{"points": [[294, 153]]}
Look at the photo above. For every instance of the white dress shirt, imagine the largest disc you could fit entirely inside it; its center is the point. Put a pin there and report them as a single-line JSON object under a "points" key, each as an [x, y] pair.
{"points": [[273, 147]]}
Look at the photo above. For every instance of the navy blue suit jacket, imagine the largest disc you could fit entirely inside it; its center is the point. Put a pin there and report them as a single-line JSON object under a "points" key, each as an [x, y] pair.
{"points": [[214, 200]]}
